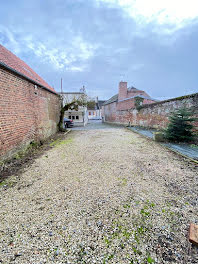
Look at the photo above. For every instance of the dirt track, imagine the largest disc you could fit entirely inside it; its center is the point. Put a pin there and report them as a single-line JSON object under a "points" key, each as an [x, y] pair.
{"points": [[100, 196]]}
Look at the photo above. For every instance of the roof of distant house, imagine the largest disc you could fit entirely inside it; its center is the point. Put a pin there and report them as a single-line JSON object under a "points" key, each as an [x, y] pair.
{"points": [[15, 64], [140, 96], [115, 97], [133, 89], [112, 99], [100, 103]]}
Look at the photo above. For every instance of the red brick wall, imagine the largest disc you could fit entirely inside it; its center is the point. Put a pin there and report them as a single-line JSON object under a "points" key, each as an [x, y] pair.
{"points": [[125, 105], [24, 115], [130, 103], [110, 112]]}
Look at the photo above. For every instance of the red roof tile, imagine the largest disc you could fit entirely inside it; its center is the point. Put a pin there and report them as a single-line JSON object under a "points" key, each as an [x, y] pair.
{"points": [[12, 61]]}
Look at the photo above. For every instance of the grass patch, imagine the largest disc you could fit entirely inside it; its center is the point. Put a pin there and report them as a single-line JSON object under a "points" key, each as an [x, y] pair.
{"points": [[60, 142], [2, 183], [7, 183]]}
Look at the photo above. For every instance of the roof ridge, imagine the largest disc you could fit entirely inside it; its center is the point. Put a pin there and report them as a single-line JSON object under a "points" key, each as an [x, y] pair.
{"points": [[114, 98]]}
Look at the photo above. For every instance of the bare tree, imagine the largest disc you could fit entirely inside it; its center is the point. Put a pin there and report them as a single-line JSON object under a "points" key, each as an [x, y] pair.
{"points": [[81, 101]]}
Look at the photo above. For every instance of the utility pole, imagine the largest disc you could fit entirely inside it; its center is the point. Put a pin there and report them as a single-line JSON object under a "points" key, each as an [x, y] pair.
{"points": [[61, 85]]}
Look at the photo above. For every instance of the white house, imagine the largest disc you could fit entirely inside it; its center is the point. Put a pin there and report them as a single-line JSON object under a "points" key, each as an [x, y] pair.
{"points": [[79, 117], [95, 110]]}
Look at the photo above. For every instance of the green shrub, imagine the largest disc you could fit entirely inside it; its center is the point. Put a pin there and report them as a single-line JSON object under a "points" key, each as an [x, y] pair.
{"points": [[159, 136], [180, 126]]}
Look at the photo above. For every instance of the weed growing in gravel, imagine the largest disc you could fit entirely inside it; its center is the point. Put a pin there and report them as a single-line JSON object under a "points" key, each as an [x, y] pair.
{"points": [[107, 241], [131, 236], [7, 183], [126, 205], [150, 260], [123, 181], [2, 183], [133, 231]]}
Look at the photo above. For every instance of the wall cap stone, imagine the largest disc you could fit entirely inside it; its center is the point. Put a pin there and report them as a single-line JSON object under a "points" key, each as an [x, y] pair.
{"points": [[170, 100]]}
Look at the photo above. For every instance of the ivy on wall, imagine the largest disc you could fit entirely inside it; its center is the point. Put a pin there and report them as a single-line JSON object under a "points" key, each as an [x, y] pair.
{"points": [[138, 102]]}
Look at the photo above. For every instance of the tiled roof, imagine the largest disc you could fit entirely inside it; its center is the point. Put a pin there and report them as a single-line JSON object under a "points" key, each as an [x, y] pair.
{"points": [[14, 63], [111, 100], [133, 88], [115, 99], [139, 95]]}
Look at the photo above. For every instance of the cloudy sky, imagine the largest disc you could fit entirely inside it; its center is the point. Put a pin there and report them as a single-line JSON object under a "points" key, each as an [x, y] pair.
{"points": [[153, 45]]}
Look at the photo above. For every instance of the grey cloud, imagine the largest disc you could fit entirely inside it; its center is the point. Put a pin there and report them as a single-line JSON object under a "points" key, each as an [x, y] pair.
{"points": [[100, 44]]}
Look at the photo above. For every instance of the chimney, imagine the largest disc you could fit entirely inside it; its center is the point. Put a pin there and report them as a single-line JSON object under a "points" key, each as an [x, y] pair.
{"points": [[122, 91]]}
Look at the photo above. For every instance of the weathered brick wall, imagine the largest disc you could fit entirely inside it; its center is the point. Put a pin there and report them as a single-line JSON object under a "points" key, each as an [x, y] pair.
{"points": [[156, 115], [110, 112], [26, 113], [153, 115], [130, 103]]}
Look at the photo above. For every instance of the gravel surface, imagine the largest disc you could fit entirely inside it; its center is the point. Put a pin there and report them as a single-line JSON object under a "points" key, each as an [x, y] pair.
{"points": [[100, 196]]}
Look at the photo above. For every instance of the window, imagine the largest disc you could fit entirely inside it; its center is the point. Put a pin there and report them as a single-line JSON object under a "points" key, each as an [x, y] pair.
{"points": [[89, 113], [73, 117], [77, 117], [69, 117]]}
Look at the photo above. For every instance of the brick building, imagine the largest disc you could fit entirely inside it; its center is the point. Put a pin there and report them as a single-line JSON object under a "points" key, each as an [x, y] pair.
{"points": [[123, 101], [121, 108], [29, 107]]}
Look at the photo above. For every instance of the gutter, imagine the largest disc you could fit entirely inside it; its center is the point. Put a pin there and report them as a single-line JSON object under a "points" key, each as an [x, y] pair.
{"points": [[3, 65], [71, 93]]}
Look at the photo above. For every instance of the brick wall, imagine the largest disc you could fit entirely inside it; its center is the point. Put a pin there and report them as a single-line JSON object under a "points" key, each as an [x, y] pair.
{"points": [[153, 115], [110, 112], [26, 113], [130, 103]]}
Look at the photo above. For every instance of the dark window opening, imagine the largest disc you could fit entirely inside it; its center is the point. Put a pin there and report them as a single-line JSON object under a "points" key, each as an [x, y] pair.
{"points": [[73, 117], [77, 117], [69, 117]]}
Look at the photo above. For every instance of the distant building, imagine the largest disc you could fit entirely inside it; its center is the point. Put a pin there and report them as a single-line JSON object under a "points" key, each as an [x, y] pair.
{"points": [[79, 117], [126, 99], [95, 109]]}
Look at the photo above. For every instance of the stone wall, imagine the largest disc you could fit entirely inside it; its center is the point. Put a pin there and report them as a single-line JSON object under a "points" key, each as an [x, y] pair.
{"points": [[27, 112], [153, 115]]}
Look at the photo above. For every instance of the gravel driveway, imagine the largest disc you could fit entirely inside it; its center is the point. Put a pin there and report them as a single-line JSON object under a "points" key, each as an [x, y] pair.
{"points": [[100, 196]]}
